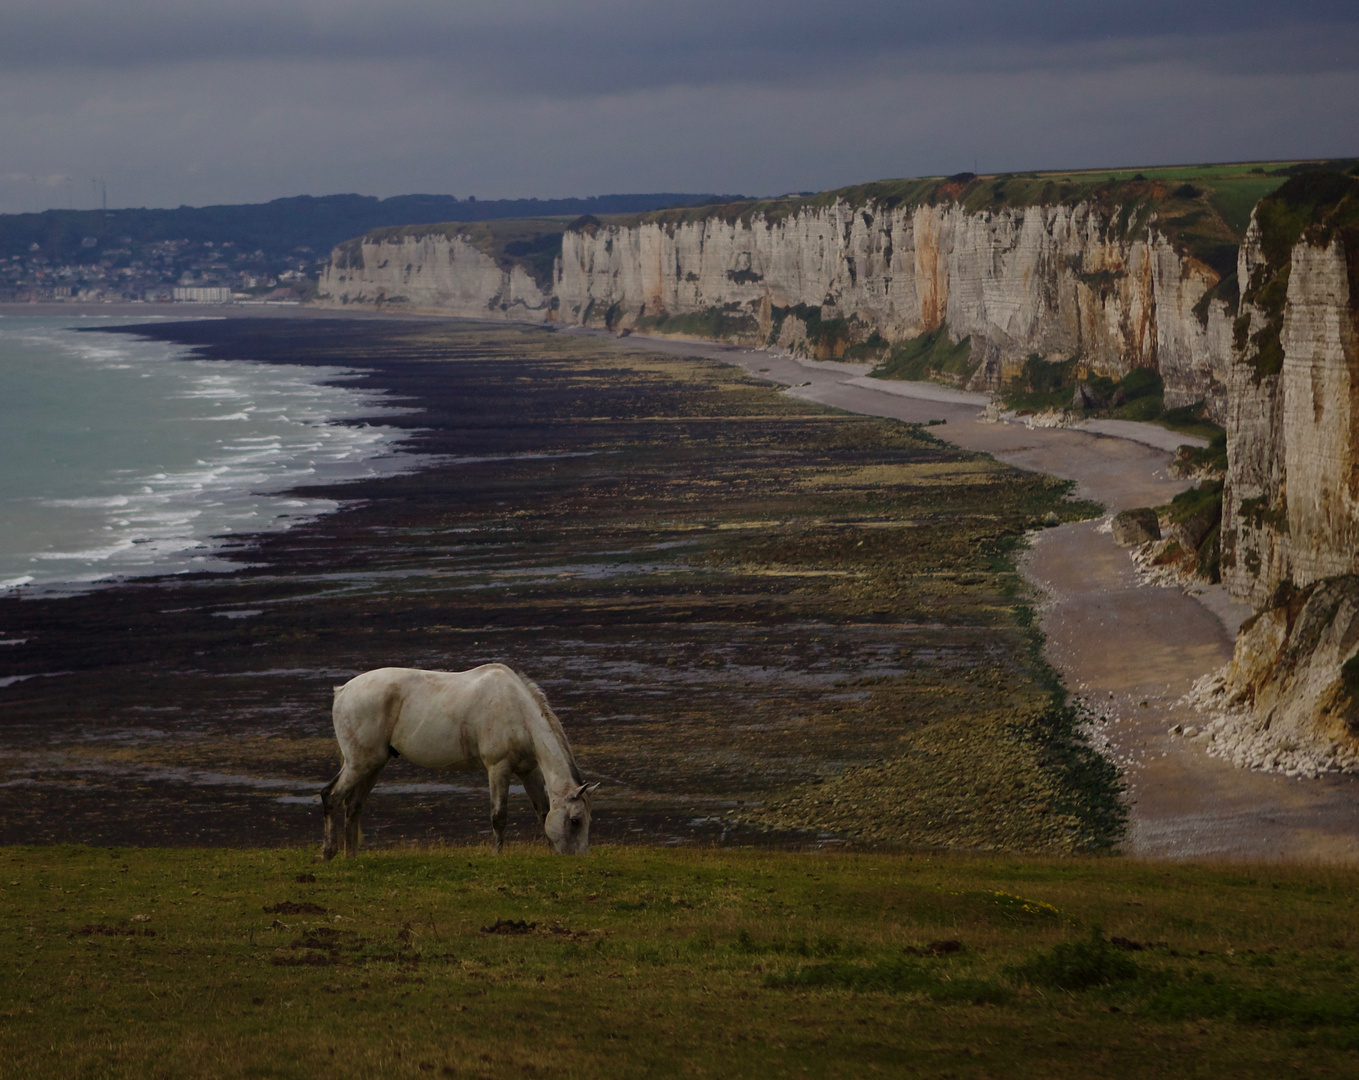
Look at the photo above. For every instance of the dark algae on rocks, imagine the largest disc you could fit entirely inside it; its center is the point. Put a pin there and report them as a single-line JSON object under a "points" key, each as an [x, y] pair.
{"points": [[760, 620]]}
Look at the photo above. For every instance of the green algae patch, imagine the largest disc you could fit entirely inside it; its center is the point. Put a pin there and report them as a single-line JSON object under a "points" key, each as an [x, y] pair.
{"points": [[447, 961]]}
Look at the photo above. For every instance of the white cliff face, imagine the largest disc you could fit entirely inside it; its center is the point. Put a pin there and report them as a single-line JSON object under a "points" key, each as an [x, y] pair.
{"points": [[1193, 339], [1057, 281], [1320, 384], [1291, 504], [1048, 280], [1290, 521], [1254, 561], [435, 274]]}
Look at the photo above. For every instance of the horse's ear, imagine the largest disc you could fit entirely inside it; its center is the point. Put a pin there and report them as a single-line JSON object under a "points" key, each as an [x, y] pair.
{"points": [[590, 789]]}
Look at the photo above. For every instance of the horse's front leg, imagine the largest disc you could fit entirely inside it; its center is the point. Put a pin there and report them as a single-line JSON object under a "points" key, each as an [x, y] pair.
{"points": [[499, 777], [537, 792]]}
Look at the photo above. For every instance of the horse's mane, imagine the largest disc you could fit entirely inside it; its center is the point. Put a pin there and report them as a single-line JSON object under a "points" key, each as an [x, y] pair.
{"points": [[540, 699]]}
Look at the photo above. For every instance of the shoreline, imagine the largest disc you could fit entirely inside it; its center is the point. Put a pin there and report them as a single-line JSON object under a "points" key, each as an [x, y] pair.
{"points": [[192, 459]]}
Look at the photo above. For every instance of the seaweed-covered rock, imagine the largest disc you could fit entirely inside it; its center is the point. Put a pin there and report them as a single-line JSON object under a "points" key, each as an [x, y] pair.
{"points": [[1133, 528], [1086, 397]]}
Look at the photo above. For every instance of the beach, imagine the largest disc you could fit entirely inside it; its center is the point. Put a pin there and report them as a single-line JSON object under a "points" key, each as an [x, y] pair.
{"points": [[1128, 651], [728, 594], [713, 643]]}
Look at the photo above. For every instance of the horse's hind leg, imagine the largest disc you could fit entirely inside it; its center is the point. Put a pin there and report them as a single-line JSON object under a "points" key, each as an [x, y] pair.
{"points": [[353, 807], [332, 808], [499, 777]]}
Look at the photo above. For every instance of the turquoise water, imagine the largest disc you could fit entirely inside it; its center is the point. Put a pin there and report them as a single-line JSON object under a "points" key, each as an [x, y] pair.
{"points": [[122, 457]]}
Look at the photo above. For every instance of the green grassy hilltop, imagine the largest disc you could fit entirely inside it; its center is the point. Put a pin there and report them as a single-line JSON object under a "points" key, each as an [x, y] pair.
{"points": [[649, 962]]}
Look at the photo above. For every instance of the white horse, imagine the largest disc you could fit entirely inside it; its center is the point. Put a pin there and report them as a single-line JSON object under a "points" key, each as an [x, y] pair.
{"points": [[489, 716]]}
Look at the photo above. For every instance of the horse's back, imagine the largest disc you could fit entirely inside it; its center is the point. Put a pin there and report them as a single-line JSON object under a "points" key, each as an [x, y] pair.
{"points": [[441, 719]]}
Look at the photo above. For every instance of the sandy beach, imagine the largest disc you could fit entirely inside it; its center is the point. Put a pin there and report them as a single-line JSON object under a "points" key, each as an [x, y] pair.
{"points": [[1127, 651]]}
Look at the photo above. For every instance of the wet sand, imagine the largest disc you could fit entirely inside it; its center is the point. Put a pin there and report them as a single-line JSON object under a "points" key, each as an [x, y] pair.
{"points": [[1127, 651]]}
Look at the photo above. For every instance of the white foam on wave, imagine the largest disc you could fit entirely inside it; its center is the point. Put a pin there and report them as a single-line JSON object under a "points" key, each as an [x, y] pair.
{"points": [[284, 430], [93, 502]]}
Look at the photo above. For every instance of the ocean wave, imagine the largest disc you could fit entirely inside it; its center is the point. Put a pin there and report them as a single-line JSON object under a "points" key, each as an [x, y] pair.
{"points": [[176, 516]]}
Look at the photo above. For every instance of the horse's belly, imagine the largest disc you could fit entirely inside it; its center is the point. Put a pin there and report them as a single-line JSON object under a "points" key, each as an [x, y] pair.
{"points": [[434, 747]]}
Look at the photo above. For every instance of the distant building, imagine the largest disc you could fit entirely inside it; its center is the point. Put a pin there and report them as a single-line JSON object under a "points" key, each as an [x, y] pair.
{"points": [[202, 294]]}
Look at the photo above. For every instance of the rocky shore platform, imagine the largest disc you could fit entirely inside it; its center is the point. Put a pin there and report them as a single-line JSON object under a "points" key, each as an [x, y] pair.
{"points": [[762, 620], [1135, 656]]}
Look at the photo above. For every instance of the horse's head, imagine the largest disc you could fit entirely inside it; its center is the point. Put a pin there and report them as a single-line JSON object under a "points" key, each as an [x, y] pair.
{"points": [[568, 822]]}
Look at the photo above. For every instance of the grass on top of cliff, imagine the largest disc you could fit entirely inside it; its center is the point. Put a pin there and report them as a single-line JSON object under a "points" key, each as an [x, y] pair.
{"points": [[448, 961]]}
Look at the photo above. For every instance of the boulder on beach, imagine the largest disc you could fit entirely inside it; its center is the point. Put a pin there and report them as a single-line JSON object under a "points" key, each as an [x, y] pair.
{"points": [[1133, 528]]}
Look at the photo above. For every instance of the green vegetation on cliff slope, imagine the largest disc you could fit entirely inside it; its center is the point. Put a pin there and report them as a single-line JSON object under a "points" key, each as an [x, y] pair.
{"points": [[729, 322], [447, 961], [929, 356]]}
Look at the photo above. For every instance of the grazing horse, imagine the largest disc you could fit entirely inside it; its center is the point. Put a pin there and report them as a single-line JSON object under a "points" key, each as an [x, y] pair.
{"points": [[489, 716]]}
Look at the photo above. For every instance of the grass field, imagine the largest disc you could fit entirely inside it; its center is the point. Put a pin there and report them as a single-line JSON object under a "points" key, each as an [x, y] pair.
{"points": [[650, 962]]}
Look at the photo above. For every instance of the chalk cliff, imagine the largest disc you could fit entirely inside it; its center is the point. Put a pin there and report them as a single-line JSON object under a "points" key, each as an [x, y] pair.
{"points": [[1061, 281], [1290, 515], [1113, 275], [480, 270]]}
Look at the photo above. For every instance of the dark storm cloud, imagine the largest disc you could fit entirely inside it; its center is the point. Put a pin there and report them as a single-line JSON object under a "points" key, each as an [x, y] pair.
{"points": [[174, 102], [605, 46]]}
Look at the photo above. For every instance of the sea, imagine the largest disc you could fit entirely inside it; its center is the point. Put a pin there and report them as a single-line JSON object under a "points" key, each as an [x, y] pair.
{"points": [[122, 457]]}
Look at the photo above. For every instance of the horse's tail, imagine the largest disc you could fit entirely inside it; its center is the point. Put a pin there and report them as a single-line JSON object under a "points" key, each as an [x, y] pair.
{"points": [[540, 699]]}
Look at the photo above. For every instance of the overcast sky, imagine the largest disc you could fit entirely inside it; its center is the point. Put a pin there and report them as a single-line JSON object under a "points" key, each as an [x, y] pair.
{"points": [[172, 102]]}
